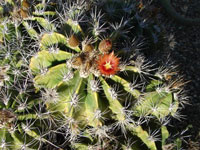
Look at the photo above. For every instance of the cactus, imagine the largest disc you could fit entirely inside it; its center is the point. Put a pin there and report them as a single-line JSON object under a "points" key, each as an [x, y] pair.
{"points": [[93, 87], [23, 117], [89, 99], [20, 126], [22, 114], [93, 93]]}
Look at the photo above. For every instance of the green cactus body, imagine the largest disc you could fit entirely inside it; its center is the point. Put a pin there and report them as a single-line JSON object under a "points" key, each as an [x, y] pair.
{"points": [[91, 96], [19, 123], [82, 91], [22, 114]]}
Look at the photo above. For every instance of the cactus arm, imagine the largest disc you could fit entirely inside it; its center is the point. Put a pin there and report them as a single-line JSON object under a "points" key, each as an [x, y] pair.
{"points": [[32, 33], [177, 17], [45, 59], [114, 104], [131, 68], [79, 89], [30, 104], [165, 134], [50, 39], [27, 116], [75, 88], [126, 86], [44, 23], [38, 137], [32, 133], [41, 7], [75, 27], [66, 90], [13, 140], [143, 135], [46, 13], [91, 105], [153, 84], [157, 104], [33, 102], [52, 78], [10, 139], [18, 141], [7, 36], [13, 103]]}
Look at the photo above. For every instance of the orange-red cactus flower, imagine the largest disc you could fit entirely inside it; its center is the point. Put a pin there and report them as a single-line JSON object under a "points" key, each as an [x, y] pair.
{"points": [[108, 64]]}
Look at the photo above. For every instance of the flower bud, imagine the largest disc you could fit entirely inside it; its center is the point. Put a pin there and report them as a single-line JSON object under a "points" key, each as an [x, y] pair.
{"points": [[73, 41], [105, 45], [88, 48]]}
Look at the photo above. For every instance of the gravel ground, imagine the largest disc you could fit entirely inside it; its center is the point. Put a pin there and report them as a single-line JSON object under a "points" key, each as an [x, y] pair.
{"points": [[184, 43]]}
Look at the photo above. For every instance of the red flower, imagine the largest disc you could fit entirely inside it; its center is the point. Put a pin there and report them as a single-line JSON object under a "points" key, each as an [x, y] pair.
{"points": [[108, 64]]}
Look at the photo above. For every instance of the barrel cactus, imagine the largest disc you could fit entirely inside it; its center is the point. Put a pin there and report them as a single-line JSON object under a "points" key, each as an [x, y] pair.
{"points": [[93, 86], [99, 96], [23, 117], [22, 120]]}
